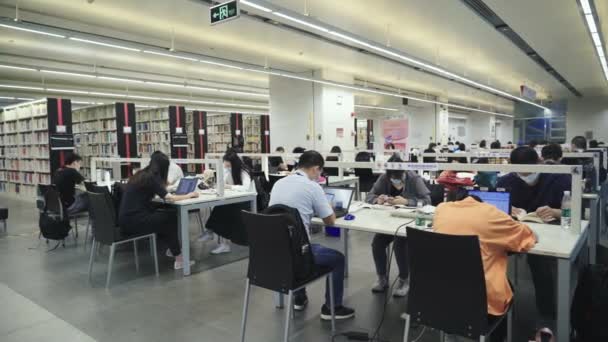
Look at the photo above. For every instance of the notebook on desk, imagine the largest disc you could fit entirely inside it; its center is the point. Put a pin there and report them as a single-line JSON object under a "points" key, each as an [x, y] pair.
{"points": [[339, 198], [186, 186]]}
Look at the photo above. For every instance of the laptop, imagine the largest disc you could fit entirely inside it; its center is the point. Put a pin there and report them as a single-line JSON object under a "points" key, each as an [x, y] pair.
{"points": [[339, 198], [186, 186], [499, 199]]}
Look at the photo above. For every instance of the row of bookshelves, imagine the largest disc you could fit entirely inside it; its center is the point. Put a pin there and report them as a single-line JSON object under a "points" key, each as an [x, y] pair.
{"points": [[36, 138], [25, 125], [26, 111], [23, 190], [37, 151], [31, 165], [24, 177]]}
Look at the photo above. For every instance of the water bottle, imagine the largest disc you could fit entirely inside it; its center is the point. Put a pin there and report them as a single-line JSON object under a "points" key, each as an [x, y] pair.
{"points": [[420, 221], [566, 211]]}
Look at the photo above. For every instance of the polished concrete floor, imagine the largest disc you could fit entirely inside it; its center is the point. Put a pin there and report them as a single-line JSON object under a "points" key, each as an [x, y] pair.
{"points": [[47, 296]]}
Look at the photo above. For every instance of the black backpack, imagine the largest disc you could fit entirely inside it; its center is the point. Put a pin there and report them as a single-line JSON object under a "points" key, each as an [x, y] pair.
{"points": [[301, 250], [53, 224], [590, 305], [263, 197]]}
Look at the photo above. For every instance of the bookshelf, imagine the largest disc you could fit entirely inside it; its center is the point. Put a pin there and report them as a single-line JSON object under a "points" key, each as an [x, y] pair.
{"points": [[24, 148], [218, 132], [95, 135], [153, 131], [251, 133]]}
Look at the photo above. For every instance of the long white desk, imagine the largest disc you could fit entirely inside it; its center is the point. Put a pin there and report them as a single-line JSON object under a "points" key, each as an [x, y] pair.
{"points": [[206, 199], [553, 242]]}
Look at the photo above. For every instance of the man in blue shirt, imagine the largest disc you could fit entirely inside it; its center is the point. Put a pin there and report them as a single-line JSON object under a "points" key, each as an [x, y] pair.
{"points": [[541, 193], [301, 191]]}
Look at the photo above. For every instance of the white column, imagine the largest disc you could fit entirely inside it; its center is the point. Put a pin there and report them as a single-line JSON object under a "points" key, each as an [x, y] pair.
{"points": [[443, 125], [291, 113]]}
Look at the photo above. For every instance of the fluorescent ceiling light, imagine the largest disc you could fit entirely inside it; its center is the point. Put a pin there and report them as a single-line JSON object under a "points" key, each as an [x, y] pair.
{"points": [[203, 88], [119, 79], [107, 94], [170, 55], [376, 107], [67, 73], [296, 77], [586, 6], [20, 87], [202, 102], [16, 67], [32, 31], [143, 97], [165, 84], [104, 44], [301, 22], [349, 38], [591, 23], [242, 92], [256, 6], [222, 64], [600, 51], [69, 91], [596, 39]]}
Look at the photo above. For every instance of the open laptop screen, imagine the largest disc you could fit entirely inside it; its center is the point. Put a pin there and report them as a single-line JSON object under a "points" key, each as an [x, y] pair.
{"points": [[499, 199]]}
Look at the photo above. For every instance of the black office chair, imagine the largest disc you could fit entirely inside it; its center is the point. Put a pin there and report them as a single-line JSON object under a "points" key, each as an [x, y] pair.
{"points": [[98, 189], [366, 176], [89, 185], [271, 264], [108, 233], [448, 294], [4, 217]]}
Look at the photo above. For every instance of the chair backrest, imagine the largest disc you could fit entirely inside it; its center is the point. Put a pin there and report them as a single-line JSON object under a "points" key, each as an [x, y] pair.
{"points": [[103, 215], [52, 201], [273, 179], [270, 259], [99, 189], [447, 283], [41, 190], [89, 185]]}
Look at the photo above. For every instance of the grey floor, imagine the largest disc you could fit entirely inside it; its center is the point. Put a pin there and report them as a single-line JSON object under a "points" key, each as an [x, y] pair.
{"points": [[47, 297]]}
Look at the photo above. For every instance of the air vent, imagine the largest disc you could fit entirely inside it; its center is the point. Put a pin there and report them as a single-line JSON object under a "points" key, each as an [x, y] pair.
{"points": [[486, 13]]}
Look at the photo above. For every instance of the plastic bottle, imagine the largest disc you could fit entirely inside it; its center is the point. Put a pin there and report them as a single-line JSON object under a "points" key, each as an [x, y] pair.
{"points": [[566, 211], [420, 220]]}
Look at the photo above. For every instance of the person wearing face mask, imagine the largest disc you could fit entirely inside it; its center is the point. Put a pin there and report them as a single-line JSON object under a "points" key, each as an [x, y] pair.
{"points": [[394, 188], [540, 193], [226, 220], [301, 191]]}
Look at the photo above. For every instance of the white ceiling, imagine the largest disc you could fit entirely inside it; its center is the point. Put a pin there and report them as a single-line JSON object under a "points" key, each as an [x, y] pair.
{"points": [[444, 32]]}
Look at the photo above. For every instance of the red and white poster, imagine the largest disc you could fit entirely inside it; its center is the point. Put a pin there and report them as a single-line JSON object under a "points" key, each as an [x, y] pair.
{"points": [[396, 132]]}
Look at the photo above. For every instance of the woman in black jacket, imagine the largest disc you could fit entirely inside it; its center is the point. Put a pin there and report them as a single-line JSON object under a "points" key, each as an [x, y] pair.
{"points": [[138, 215]]}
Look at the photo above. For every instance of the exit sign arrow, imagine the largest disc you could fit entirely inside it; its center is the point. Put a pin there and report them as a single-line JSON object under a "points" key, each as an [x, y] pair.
{"points": [[224, 12]]}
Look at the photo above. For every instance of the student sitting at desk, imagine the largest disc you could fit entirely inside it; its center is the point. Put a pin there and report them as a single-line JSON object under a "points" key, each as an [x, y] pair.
{"points": [[395, 187], [276, 164], [498, 234], [137, 213], [301, 191], [552, 154], [226, 220], [540, 193], [65, 180]]}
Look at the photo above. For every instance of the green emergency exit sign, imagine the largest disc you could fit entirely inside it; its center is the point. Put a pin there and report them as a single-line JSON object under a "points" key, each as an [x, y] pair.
{"points": [[224, 12]]}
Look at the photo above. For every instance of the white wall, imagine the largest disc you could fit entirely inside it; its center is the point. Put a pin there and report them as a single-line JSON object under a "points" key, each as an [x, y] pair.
{"points": [[588, 114], [291, 108]]}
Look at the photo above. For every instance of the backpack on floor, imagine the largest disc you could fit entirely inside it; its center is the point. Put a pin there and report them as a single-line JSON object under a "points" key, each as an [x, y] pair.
{"points": [[301, 250], [53, 227], [590, 305]]}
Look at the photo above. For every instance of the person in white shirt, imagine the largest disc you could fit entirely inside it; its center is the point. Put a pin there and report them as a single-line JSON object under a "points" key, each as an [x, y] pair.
{"points": [[175, 174], [227, 218]]}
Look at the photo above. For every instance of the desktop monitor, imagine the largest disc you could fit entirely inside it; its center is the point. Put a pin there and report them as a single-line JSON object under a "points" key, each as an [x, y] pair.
{"points": [[499, 199]]}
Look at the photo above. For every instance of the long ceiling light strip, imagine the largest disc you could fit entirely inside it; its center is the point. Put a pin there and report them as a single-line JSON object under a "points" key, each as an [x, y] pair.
{"points": [[130, 80], [377, 107], [334, 32], [593, 27], [14, 27], [362, 89], [103, 44], [141, 97]]}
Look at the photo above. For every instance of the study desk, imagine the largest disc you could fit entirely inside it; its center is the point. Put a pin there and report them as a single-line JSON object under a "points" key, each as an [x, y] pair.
{"points": [[553, 242], [206, 199]]}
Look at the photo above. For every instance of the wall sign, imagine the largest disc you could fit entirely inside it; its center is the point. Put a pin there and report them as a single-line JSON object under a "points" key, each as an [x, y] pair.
{"points": [[224, 12]]}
